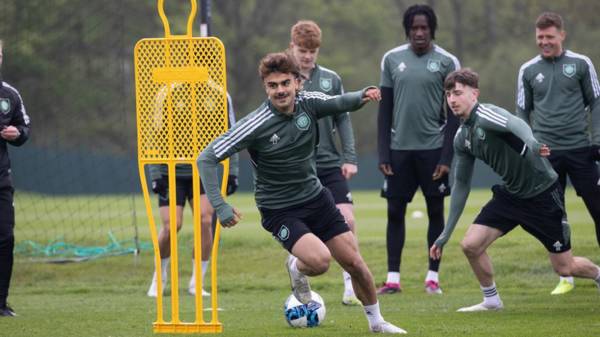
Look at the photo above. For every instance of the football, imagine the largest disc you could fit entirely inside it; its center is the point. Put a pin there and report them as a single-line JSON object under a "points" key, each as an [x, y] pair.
{"points": [[308, 315]]}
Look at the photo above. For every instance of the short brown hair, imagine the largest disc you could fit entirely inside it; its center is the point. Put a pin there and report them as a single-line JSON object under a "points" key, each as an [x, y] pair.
{"points": [[278, 63], [549, 19], [464, 76], [306, 34]]}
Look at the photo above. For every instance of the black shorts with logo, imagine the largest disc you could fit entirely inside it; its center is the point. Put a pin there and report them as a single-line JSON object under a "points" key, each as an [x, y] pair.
{"points": [[413, 169], [183, 189], [319, 216], [333, 179], [541, 216]]}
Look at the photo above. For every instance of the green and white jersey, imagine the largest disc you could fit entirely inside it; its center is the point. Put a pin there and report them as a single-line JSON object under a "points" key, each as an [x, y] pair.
{"points": [[329, 82], [282, 149], [185, 170], [555, 95], [418, 85], [505, 143]]}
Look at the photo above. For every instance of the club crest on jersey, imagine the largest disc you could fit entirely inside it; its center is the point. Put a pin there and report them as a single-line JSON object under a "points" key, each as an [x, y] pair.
{"points": [[569, 69], [480, 133], [433, 65], [284, 233], [302, 121], [325, 84], [4, 105]]}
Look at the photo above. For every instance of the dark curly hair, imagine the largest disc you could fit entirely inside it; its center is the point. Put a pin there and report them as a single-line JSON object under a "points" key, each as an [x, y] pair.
{"points": [[281, 62], [425, 10]]}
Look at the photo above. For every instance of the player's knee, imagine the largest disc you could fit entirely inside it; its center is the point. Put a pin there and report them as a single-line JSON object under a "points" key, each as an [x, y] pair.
{"points": [[351, 223], [470, 248], [396, 210]]}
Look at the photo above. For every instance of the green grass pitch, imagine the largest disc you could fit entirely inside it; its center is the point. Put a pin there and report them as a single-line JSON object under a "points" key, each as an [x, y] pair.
{"points": [[106, 297]]}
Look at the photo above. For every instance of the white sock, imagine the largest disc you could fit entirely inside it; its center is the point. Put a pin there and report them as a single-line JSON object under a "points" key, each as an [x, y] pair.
{"points": [[348, 290], [204, 269], [193, 278], [294, 266], [432, 276], [490, 295], [164, 268], [568, 279], [393, 277], [373, 314]]}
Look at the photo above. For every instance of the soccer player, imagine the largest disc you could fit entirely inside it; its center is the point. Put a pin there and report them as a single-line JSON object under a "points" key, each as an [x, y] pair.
{"points": [[184, 191], [414, 137], [281, 137], [530, 195], [14, 130], [333, 168], [556, 90]]}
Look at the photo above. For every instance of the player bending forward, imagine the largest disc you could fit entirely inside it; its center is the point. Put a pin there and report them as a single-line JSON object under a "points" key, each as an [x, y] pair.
{"points": [[530, 195], [281, 136]]}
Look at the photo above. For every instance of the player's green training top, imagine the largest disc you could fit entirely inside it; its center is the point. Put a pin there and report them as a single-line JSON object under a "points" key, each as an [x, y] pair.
{"points": [[418, 85], [552, 96], [329, 82], [505, 143], [282, 149], [185, 170]]}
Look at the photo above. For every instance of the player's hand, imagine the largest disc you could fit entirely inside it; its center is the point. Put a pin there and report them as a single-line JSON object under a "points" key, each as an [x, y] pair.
{"points": [[371, 94], [435, 252], [160, 185], [232, 221], [10, 133], [348, 170], [596, 152], [386, 169], [440, 171], [232, 184], [544, 150]]}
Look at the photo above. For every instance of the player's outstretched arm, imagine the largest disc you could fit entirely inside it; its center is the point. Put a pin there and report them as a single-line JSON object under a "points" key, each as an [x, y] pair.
{"points": [[324, 105], [207, 165], [463, 172]]}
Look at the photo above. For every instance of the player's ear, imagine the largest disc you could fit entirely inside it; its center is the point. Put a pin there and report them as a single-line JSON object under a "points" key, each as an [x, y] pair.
{"points": [[476, 93]]}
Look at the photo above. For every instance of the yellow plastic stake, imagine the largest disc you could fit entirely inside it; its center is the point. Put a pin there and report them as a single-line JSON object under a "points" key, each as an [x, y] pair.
{"points": [[181, 106]]}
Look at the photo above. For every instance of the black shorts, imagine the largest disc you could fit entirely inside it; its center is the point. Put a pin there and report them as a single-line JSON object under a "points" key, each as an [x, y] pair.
{"points": [[581, 169], [318, 216], [541, 216], [183, 189], [413, 169], [333, 179]]}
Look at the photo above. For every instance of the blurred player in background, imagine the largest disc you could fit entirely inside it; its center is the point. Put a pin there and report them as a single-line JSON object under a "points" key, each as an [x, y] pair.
{"points": [[333, 168], [14, 130], [184, 190], [415, 137], [557, 92]]}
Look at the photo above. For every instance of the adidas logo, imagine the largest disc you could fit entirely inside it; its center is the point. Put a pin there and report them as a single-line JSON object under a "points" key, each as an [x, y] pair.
{"points": [[539, 77], [274, 139]]}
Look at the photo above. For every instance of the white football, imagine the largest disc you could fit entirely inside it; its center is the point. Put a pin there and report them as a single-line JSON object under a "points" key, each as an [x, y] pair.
{"points": [[308, 315]]}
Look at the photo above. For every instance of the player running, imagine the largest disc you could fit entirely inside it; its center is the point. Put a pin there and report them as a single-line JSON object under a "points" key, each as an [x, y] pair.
{"points": [[281, 137]]}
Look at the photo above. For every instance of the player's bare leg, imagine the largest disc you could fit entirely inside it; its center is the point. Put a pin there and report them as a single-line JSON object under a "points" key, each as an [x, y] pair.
{"points": [[565, 264], [207, 213], [349, 297], [344, 249], [164, 246], [477, 239]]}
